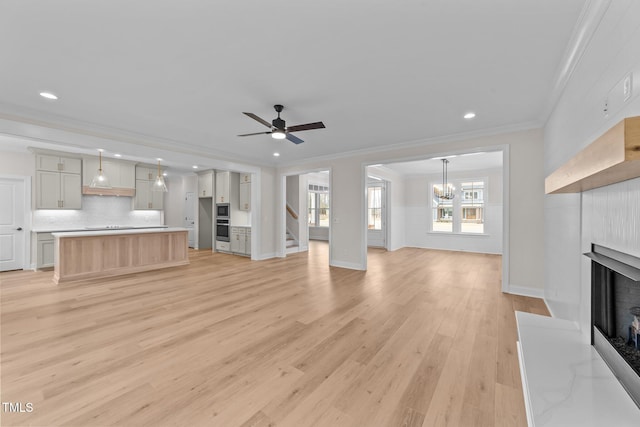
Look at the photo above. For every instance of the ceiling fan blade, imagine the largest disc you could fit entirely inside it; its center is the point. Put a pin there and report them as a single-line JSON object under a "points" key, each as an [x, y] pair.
{"points": [[257, 133], [308, 126], [258, 119], [294, 139]]}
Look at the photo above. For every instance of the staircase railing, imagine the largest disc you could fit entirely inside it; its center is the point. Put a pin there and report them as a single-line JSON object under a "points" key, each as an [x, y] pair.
{"points": [[291, 212]]}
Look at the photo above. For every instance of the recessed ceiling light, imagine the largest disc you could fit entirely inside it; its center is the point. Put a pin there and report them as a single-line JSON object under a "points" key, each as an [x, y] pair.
{"points": [[470, 115], [101, 150], [276, 154], [117, 155], [159, 159], [195, 166], [48, 95], [164, 174]]}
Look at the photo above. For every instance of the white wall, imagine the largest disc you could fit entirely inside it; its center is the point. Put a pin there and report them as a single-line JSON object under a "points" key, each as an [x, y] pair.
{"points": [[267, 201], [609, 215], [15, 163], [526, 261], [418, 214]]}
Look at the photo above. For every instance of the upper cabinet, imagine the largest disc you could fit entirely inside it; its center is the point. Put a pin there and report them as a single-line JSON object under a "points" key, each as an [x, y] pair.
{"points": [[222, 187], [53, 163], [205, 184], [245, 192], [58, 182], [121, 174], [146, 172], [146, 198]]}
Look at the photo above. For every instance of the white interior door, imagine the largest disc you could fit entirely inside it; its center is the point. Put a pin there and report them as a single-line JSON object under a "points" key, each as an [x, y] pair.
{"points": [[189, 217], [12, 235], [376, 214]]}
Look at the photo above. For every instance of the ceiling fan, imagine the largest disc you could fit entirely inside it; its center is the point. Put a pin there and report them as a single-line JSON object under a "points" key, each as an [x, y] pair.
{"points": [[279, 130]]}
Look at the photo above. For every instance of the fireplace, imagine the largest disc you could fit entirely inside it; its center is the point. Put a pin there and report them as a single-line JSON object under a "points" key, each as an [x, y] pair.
{"points": [[615, 314]]}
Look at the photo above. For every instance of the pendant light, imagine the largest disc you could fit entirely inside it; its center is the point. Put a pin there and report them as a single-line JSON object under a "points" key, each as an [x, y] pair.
{"points": [[448, 191], [159, 184], [100, 180]]}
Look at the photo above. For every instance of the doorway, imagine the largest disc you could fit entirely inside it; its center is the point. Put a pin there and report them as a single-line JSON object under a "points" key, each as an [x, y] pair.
{"points": [[376, 213], [189, 217], [205, 223], [14, 245], [307, 212]]}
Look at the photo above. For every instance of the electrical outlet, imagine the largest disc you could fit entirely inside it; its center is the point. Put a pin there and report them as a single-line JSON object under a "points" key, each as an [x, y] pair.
{"points": [[627, 87]]}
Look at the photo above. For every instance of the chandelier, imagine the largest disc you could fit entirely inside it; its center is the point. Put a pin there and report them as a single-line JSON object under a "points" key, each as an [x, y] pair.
{"points": [[447, 192]]}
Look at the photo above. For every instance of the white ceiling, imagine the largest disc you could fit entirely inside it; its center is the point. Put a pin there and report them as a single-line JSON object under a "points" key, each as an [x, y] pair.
{"points": [[375, 72]]}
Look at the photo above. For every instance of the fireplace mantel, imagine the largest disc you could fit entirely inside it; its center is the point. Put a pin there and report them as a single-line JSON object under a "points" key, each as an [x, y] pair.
{"points": [[613, 157]]}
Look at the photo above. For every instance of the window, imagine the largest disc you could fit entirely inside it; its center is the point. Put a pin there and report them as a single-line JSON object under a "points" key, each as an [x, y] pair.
{"points": [[374, 200], [472, 205], [464, 213], [442, 212], [318, 206]]}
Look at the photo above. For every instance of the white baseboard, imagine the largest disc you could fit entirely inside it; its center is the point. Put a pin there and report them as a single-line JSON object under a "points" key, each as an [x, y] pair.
{"points": [[262, 257], [526, 291], [349, 265], [550, 310]]}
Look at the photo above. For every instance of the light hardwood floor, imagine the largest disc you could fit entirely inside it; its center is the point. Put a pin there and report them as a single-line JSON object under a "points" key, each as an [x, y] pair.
{"points": [[423, 338]]}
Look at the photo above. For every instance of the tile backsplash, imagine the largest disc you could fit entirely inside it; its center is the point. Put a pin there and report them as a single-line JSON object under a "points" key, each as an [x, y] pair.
{"points": [[96, 211]]}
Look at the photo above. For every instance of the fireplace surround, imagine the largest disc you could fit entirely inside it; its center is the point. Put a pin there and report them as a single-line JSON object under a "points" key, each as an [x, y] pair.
{"points": [[615, 314]]}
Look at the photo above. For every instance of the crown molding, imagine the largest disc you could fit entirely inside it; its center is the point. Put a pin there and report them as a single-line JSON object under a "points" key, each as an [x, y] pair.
{"points": [[454, 137], [52, 129], [588, 22]]}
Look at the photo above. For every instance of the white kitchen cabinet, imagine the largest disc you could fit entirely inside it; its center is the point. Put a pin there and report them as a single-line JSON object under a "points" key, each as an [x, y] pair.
{"points": [[245, 196], [146, 172], [241, 240], [54, 163], [222, 187], [58, 190], [205, 184], [238, 238], [146, 198], [143, 193], [223, 246], [245, 178], [45, 244]]}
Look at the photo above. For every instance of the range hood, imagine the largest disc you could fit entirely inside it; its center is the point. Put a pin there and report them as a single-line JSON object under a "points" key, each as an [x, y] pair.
{"points": [[613, 157]]}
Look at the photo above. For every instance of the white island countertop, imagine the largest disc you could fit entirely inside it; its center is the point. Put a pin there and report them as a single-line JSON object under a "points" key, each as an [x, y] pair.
{"points": [[566, 381], [115, 232], [60, 229]]}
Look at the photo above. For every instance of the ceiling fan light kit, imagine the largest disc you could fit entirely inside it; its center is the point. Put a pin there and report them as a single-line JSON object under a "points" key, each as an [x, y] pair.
{"points": [[279, 129], [278, 134]]}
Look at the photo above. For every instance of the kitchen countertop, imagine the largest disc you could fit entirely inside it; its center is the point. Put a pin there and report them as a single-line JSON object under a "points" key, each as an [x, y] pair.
{"points": [[116, 231], [91, 228], [566, 381]]}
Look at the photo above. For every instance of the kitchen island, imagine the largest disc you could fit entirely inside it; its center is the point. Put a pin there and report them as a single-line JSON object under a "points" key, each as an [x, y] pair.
{"points": [[100, 253]]}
